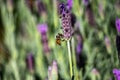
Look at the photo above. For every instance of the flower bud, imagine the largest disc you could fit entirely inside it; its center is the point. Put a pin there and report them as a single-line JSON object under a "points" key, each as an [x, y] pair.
{"points": [[30, 62]]}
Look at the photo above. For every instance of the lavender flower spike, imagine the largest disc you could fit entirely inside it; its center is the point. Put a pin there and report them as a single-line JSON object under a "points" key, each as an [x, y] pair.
{"points": [[42, 28], [116, 73], [65, 14], [85, 2], [54, 70], [30, 62], [117, 22], [79, 48], [70, 3]]}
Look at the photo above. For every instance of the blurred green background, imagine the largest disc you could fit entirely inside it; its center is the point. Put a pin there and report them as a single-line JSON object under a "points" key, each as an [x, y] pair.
{"points": [[20, 37]]}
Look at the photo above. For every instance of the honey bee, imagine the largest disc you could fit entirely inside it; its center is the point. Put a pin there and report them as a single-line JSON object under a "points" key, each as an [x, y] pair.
{"points": [[59, 38]]}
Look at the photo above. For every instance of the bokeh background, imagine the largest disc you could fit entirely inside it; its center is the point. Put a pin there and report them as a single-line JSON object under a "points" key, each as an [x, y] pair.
{"points": [[28, 49]]}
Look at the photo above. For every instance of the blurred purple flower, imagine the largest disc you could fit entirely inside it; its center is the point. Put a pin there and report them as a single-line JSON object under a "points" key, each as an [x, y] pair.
{"points": [[42, 28], [53, 71], [85, 2], [79, 48], [90, 15], [108, 44], [118, 25], [79, 42], [95, 71], [116, 73], [41, 7], [107, 40], [118, 77], [30, 62], [80, 58], [46, 47], [70, 3], [61, 6], [54, 66]]}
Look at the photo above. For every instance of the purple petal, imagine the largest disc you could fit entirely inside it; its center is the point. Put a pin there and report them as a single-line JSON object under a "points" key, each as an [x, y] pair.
{"points": [[115, 71], [118, 77], [118, 24], [30, 61], [41, 7], [42, 28], [70, 3], [79, 48]]}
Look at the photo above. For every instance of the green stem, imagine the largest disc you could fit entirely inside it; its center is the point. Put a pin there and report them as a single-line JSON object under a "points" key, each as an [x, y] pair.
{"points": [[30, 77], [75, 71], [15, 69], [70, 58]]}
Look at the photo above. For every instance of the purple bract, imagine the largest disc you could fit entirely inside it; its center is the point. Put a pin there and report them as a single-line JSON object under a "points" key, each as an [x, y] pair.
{"points": [[42, 28], [117, 24]]}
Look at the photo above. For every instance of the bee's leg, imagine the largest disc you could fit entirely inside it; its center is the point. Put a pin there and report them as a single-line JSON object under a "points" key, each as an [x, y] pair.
{"points": [[57, 36]]}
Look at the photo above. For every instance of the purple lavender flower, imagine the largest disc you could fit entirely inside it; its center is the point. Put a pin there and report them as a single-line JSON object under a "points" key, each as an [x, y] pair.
{"points": [[118, 78], [54, 66], [116, 73], [79, 48], [107, 40], [118, 25], [30, 62], [53, 71], [79, 42], [89, 15], [85, 2], [41, 7], [80, 58], [70, 3], [95, 71], [42, 28], [65, 14]]}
